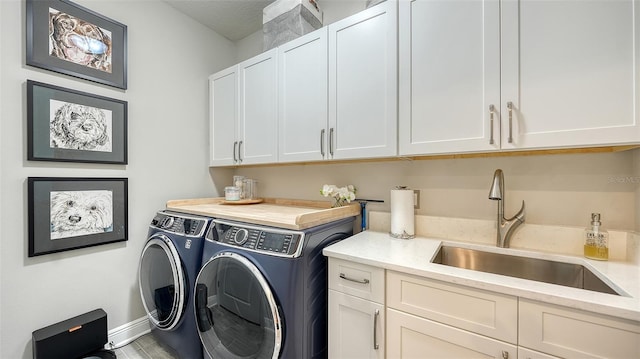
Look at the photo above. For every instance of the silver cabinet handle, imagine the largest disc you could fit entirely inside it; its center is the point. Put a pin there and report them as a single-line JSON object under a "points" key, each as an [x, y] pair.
{"points": [[510, 108], [240, 151], [505, 354], [235, 145], [322, 142], [375, 330], [361, 281], [331, 141], [492, 110]]}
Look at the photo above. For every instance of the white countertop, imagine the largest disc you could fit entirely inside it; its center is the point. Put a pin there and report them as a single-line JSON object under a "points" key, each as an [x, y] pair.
{"points": [[414, 257]]}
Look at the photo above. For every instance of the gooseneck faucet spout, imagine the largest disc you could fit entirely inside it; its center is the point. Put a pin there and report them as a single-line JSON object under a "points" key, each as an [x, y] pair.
{"points": [[505, 227]]}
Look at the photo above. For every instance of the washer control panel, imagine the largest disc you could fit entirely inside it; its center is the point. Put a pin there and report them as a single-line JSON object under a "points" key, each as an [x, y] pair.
{"points": [[179, 224], [268, 240]]}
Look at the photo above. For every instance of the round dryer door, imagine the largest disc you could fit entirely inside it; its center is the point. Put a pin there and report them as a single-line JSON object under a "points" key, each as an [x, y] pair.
{"points": [[162, 282], [235, 309]]}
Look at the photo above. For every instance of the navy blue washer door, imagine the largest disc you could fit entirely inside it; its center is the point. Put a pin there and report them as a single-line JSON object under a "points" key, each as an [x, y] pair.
{"points": [[236, 311], [162, 282]]}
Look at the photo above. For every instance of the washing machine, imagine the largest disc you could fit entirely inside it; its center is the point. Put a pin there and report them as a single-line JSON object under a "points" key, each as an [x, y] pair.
{"points": [[262, 291], [169, 264]]}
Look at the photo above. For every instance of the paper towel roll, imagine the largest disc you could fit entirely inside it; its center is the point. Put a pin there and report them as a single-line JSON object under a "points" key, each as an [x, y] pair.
{"points": [[402, 214]]}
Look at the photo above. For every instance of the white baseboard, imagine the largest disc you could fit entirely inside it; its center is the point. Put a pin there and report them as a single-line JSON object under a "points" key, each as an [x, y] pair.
{"points": [[128, 332]]}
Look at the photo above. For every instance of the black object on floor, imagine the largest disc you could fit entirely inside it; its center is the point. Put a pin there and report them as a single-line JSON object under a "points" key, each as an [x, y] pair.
{"points": [[71, 338]]}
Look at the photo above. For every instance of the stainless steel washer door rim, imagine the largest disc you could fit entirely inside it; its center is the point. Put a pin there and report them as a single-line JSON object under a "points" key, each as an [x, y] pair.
{"points": [[236, 312], [162, 282]]}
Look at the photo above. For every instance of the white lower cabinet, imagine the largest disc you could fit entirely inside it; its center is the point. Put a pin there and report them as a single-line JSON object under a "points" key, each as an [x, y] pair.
{"points": [[357, 327], [411, 316], [356, 311], [410, 336], [571, 333]]}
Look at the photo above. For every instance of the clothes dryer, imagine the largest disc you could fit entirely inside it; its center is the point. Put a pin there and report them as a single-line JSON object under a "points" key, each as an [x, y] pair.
{"points": [[169, 264], [262, 291]]}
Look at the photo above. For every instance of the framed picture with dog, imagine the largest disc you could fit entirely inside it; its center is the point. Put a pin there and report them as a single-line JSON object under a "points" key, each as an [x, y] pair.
{"points": [[70, 213], [70, 39], [71, 126]]}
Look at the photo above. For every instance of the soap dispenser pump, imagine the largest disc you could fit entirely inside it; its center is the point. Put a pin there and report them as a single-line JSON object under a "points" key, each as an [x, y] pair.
{"points": [[596, 244]]}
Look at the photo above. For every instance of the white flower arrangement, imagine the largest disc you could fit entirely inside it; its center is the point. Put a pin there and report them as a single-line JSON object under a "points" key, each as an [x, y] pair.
{"points": [[341, 195]]}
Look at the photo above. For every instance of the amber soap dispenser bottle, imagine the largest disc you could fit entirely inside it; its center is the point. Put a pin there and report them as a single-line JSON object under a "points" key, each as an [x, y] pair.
{"points": [[596, 245]]}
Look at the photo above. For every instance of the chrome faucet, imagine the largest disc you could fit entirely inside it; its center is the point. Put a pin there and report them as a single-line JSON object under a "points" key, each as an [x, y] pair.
{"points": [[505, 227]]}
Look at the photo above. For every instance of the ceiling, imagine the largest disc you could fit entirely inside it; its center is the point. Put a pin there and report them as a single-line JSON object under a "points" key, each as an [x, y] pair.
{"points": [[233, 19]]}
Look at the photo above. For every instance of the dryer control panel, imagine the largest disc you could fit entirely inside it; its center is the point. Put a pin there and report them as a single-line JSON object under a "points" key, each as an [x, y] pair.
{"points": [[179, 224], [268, 240]]}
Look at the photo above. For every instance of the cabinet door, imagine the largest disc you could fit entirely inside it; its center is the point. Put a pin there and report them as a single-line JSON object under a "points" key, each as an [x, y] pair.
{"points": [[572, 333], [257, 142], [409, 336], [570, 68], [223, 107], [302, 114], [449, 76], [363, 84], [356, 326]]}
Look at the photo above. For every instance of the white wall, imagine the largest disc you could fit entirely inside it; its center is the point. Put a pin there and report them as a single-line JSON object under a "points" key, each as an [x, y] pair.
{"points": [[557, 189], [170, 57]]}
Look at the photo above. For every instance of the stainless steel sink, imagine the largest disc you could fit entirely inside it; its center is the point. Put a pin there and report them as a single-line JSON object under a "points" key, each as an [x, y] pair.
{"points": [[541, 270]]}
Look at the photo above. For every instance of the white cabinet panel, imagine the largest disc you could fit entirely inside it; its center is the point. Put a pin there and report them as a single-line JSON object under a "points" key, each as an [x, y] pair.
{"points": [[363, 84], [487, 313], [223, 107], [572, 333], [559, 73], [409, 336], [357, 279], [574, 80], [449, 76], [302, 120], [258, 101], [356, 327], [524, 353]]}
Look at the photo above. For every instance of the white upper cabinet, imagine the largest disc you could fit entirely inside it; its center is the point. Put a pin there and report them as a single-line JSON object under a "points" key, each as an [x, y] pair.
{"points": [[223, 112], [363, 84], [527, 74], [570, 68], [243, 111], [449, 76], [302, 119], [258, 112]]}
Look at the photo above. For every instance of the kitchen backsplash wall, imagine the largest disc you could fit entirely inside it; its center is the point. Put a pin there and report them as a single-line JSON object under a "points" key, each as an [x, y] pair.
{"points": [[558, 189]]}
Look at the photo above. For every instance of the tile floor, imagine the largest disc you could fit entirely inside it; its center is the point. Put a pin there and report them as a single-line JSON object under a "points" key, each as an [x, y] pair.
{"points": [[145, 347]]}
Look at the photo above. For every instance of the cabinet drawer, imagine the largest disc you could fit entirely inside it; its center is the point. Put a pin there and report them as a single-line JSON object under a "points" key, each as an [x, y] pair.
{"points": [[491, 314], [409, 336], [572, 333], [356, 279]]}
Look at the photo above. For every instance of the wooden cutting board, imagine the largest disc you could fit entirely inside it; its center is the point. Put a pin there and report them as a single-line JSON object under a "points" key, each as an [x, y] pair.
{"points": [[276, 212]]}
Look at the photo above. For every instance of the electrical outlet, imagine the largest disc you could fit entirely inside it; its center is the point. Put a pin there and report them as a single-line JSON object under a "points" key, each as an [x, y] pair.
{"points": [[416, 198]]}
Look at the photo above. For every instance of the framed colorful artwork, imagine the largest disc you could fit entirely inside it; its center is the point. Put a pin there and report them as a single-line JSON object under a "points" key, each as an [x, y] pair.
{"points": [[67, 38]]}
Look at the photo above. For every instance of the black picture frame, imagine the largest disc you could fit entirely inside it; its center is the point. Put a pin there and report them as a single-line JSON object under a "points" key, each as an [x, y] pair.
{"points": [[66, 125], [95, 51], [68, 213]]}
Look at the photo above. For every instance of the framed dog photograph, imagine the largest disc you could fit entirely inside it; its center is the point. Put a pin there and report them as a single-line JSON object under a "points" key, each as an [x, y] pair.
{"points": [[67, 38], [72, 126], [71, 213]]}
